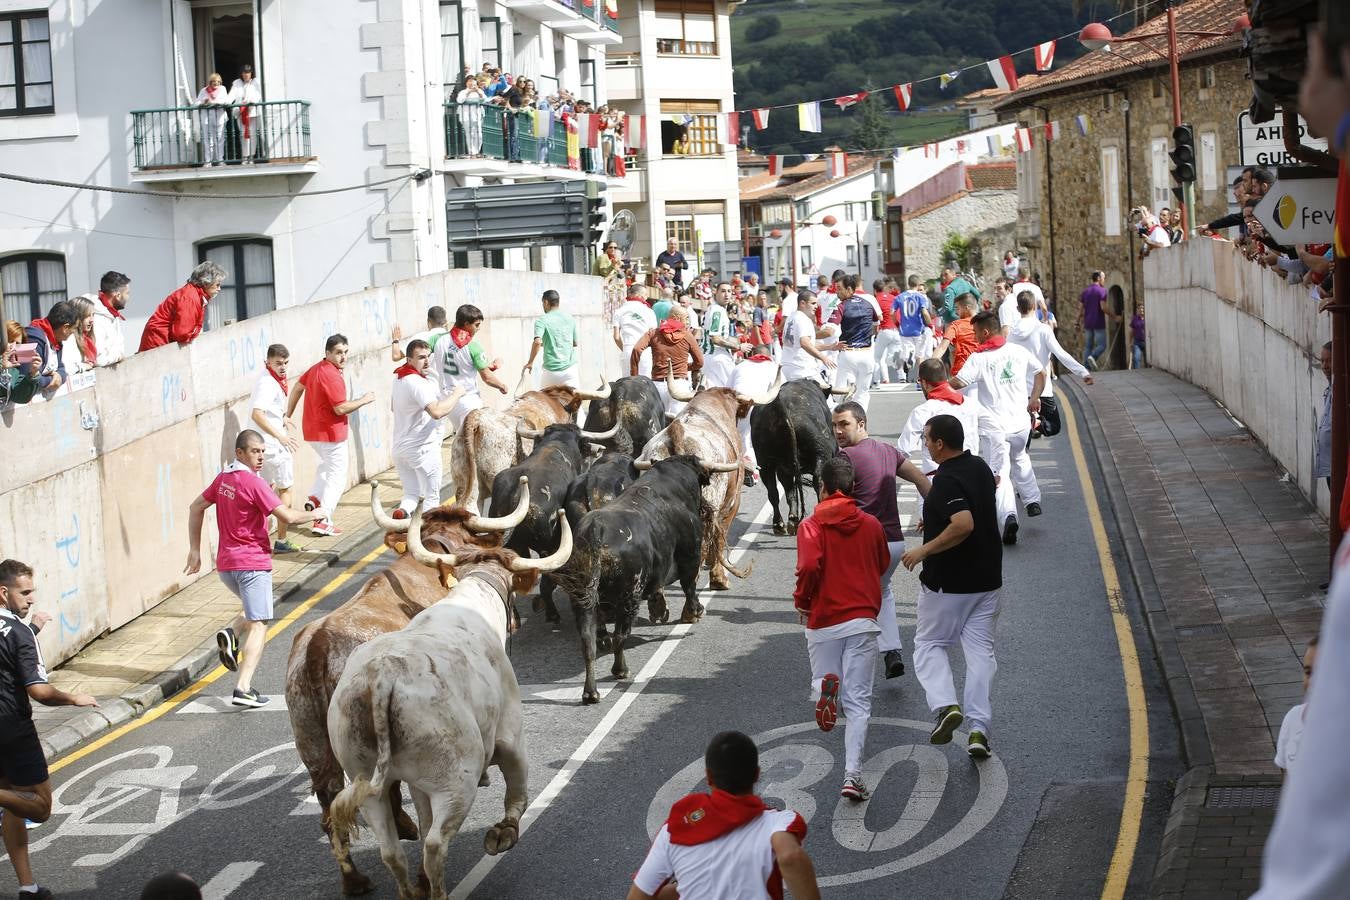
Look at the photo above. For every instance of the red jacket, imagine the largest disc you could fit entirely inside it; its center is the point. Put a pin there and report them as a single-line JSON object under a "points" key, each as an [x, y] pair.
{"points": [[841, 556], [179, 318]]}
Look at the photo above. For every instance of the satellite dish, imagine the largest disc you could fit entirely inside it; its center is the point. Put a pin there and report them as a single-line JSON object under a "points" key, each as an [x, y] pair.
{"points": [[623, 230]]}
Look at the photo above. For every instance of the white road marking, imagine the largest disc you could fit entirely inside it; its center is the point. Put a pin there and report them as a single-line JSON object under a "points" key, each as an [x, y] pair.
{"points": [[277, 703], [578, 758], [565, 692], [229, 879]]}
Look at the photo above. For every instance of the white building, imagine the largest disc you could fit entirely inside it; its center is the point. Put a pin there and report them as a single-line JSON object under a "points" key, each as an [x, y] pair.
{"points": [[354, 105]]}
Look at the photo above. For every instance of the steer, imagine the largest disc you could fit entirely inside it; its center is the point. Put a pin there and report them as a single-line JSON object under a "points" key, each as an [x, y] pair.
{"points": [[387, 602], [491, 440], [635, 406], [435, 705], [632, 548], [793, 439]]}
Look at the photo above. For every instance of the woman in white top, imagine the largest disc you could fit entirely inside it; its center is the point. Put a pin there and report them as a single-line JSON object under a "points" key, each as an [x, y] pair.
{"points": [[1011, 266], [78, 352], [245, 93], [469, 104], [214, 101]]}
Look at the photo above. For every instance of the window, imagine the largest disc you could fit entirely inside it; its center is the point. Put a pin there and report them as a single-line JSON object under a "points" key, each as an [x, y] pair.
{"points": [[1160, 172], [453, 62], [1209, 161], [1157, 89], [249, 288], [1111, 191], [587, 67], [693, 122], [850, 256], [806, 260], [25, 65], [867, 256], [1207, 77], [491, 27], [681, 230], [32, 283], [686, 27]]}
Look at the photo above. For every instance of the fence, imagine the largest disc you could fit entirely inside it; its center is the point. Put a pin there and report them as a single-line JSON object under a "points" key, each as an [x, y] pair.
{"points": [[485, 129], [181, 137], [96, 483], [1248, 338]]}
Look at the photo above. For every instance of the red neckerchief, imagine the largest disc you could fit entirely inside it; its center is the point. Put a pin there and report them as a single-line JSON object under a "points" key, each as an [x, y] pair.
{"points": [[699, 818], [460, 337], [946, 393], [46, 328], [759, 357], [670, 326], [285, 388], [107, 304], [947, 282], [993, 343], [405, 370]]}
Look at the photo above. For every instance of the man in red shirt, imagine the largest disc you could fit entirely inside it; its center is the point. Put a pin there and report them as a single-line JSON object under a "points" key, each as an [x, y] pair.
{"points": [[243, 502], [841, 556], [960, 335], [325, 427], [181, 314], [887, 346]]}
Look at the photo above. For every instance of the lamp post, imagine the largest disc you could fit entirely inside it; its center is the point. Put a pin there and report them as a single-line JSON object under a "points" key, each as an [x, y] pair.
{"points": [[1096, 36]]}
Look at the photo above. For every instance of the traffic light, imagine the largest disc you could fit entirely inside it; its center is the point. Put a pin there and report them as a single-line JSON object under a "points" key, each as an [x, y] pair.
{"points": [[878, 206], [593, 212], [1183, 155]]}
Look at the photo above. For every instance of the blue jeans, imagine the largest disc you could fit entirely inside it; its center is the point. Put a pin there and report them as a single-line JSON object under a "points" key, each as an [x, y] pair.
{"points": [[512, 137], [1094, 343], [1138, 356]]}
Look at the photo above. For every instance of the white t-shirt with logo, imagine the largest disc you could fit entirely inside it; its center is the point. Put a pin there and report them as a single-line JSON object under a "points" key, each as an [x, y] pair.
{"points": [[1008, 315], [736, 865], [999, 379], [269, 397], [633, 318], [797, 363], [414, 428]]}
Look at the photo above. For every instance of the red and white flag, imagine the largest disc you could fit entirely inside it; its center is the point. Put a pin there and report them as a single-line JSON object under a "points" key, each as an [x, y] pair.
{"points": [[961, 147], [1005, 74], [836, 164], [1045, 56], [775, 165], [1023, 138], [1052, 131], [635, 131], [588, 128], [932, 150], [734, 128], [848, 100], [761, 118], [902, 92]]}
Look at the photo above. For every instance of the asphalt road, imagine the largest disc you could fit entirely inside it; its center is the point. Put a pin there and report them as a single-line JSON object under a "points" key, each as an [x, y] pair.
{"points": [[219, 792]]}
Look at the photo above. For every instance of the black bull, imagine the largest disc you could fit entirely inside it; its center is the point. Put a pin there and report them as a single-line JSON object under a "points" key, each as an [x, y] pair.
{"points": [[793, 438], [635, 406]]}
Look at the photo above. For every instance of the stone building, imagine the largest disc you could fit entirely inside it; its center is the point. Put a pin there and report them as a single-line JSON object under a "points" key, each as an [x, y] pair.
{"points": [[1075, 192], [976, 201]]}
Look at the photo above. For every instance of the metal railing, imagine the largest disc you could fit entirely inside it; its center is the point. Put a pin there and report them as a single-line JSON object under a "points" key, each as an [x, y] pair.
{"points": [[491, 131], [206, 136], [593, 10]]}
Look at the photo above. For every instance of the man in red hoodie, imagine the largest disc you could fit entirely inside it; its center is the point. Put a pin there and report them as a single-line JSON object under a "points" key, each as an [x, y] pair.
{"points": [[727, 842], [180, 316], [841, 558]]}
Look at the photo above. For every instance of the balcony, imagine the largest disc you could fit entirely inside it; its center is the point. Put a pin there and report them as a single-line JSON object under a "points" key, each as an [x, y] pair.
{"points": [[623, 76], [476, 143], [585, 20], [172, 144]]}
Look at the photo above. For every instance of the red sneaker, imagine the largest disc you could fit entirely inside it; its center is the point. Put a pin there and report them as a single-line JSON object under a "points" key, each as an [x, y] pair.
{"points": [[827, 707], [324, 528]]}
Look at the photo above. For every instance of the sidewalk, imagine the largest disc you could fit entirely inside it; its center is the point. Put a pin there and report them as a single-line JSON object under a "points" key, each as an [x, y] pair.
{"points": [[1228, 560], [162, 651]]}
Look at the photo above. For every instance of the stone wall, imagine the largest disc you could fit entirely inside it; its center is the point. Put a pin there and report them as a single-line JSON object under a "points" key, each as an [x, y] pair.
{"points": [[989, 216], [96, 484], [1248, 338]]}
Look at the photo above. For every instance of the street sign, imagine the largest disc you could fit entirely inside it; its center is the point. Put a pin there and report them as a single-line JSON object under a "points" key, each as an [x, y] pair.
{"points": [[1299, 211], [1263, 145]]}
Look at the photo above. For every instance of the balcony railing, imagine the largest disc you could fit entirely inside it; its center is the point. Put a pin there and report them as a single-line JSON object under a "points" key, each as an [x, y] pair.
{"points": [[486, 130], [593, 10], [275, 132]]}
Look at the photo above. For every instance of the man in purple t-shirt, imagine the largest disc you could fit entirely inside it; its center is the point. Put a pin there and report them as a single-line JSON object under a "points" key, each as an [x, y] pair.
{"points": [[1093, 299], [875, 467], [243, 502]]}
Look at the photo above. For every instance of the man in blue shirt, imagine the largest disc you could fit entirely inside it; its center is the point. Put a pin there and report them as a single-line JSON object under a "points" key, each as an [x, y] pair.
{"points": [[858, 316], [914, 317]]}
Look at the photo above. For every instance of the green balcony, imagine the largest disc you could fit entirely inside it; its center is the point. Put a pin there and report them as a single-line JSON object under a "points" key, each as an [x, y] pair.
{"points": [[257, 139]]}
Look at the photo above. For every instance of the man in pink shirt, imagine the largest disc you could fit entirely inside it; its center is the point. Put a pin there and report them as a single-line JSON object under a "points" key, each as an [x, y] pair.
{"points": [[243, 502]]}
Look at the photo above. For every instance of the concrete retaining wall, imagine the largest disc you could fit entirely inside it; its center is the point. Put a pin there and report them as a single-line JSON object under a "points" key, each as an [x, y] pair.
{"points": [[99, 508], [1249, 339]]}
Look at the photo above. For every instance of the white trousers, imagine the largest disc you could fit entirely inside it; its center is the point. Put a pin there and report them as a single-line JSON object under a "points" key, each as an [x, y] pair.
{"points": [[914, 350], [944, 620], [673, 407], [569, 377], [884, 353], [718, 369], [1019, 460], [855, 367], [420, 473], [330, 477], [463, 406], [1005, 498], [854, 660], [213, 134], [747, 448], [644, 361], [889, 639], [810, 369]]}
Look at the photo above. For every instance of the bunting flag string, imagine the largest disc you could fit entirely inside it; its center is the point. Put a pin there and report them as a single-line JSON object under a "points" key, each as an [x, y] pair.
{"points": [[947, 78], [1052, 131], [543, 123], [761, 118], [1084, 125], [635, 131], [836, 164], [850, 100], [734, 128], [776, 165], [1004, 72], [808, 116], [1023, 138], [902, 92], [1044, 55]]}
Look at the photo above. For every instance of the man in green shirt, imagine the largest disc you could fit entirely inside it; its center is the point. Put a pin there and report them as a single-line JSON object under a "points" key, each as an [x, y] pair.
{"points": [[953, 286], [662, 307], [556, 332]]}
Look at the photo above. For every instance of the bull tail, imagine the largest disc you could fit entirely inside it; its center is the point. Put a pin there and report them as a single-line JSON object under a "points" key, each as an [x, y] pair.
{"points": [[796, 464], [342, 812], [468, 492], [726, 563]]}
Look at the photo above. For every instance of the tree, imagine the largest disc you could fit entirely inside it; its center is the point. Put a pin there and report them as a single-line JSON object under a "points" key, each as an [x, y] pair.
{"points": [[956, 249], [762, 29], [871, 131]]}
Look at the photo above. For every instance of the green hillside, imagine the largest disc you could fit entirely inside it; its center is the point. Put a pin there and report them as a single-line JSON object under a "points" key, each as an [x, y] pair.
{"points": [[788, 51]]}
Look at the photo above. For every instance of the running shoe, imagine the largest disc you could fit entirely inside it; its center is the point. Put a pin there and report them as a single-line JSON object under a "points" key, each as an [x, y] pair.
{"points": [[977, 745], [1010, 531], [228, 646], [1091, 363], [949, 719], [250, 698], [285, 547], [1033, 509], [895, 663], [854, 789], [324, 528], [827, 707], [40, 894]]}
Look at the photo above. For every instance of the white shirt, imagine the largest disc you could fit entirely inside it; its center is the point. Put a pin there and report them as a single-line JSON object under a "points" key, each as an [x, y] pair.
{"points": [[269, 397], [796, 361], [1039, 339], [633, 318], [1158, 235], [1007, 312], [414, 428], [753, 378], [998, 379], [110, 340], [1291, 737], [788, 304], [975, 420], [717, 323], [736, 865], [246, 92], [1011, 267]]}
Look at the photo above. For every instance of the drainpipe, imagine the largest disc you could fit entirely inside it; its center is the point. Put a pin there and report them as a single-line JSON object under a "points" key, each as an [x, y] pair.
{"points": [[792, 218], [1050, 198], [1130, 257]]}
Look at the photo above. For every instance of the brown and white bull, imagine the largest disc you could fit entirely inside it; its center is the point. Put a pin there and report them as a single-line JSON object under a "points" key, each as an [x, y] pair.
{"points": [[433, 706], [491, 440], [387, 602]]}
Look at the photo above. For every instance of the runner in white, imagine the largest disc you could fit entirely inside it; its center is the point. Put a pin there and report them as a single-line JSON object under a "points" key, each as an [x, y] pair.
{"points": [[801, 357], [418, 409], [632, 320], [858, 316], [1005, 304], [941, 399], [719, 339], [459, 360], [753, 377], [1039, 338], [998, 374], [268, 411]]}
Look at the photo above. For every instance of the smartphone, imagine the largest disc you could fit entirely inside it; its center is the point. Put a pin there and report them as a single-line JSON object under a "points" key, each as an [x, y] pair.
{"points": [[25, 353]]}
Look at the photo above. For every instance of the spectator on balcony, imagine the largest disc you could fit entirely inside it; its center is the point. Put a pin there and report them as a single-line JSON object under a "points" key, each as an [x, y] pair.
{"points": [[11, 335], [513, 105], [1093, 322], [620, 165], [245, 95], [469, 111], [544, 112], [47, 371], [179, 317], [681, 146], [1171, 223], [609, 265], [114, 290], [214, 102], [80, 350], [673, 258]]}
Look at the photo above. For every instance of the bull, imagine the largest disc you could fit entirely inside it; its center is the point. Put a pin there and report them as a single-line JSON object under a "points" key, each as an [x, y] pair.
{"points": [[635, 406], [387, 602], [793, 438]]}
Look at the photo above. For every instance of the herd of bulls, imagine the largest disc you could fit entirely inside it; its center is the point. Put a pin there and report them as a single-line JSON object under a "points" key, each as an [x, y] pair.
{"points": [[612, 515]]}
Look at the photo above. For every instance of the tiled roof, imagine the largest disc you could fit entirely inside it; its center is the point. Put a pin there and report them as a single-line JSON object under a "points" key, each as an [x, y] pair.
{"points": [[999, 176], [936, 204], [791, 185], [750, 158], [994, 93], [1192, 15]]}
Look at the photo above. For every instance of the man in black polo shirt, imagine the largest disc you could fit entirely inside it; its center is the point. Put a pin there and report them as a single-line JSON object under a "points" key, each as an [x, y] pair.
{"points": [[25, 789], [959, 596]]}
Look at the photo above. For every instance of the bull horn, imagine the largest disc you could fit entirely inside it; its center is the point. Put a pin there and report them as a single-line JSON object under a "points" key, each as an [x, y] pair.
{"points": [[524, 430], [596, 448], [675, 394], [766, 398], [508, 521], [642, 465], [518, 393], [421, 553], [601, 393], [841, 392], [600, 435], [383, 519], [714, 468], [556, 559]]}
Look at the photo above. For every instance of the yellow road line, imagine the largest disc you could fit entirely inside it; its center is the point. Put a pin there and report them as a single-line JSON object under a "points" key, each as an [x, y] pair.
{"points": [[1136, 778], [210, 677]]}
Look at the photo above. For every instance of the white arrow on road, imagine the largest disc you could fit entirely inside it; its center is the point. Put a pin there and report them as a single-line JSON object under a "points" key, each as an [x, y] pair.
{"points": [[223, 705]]}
